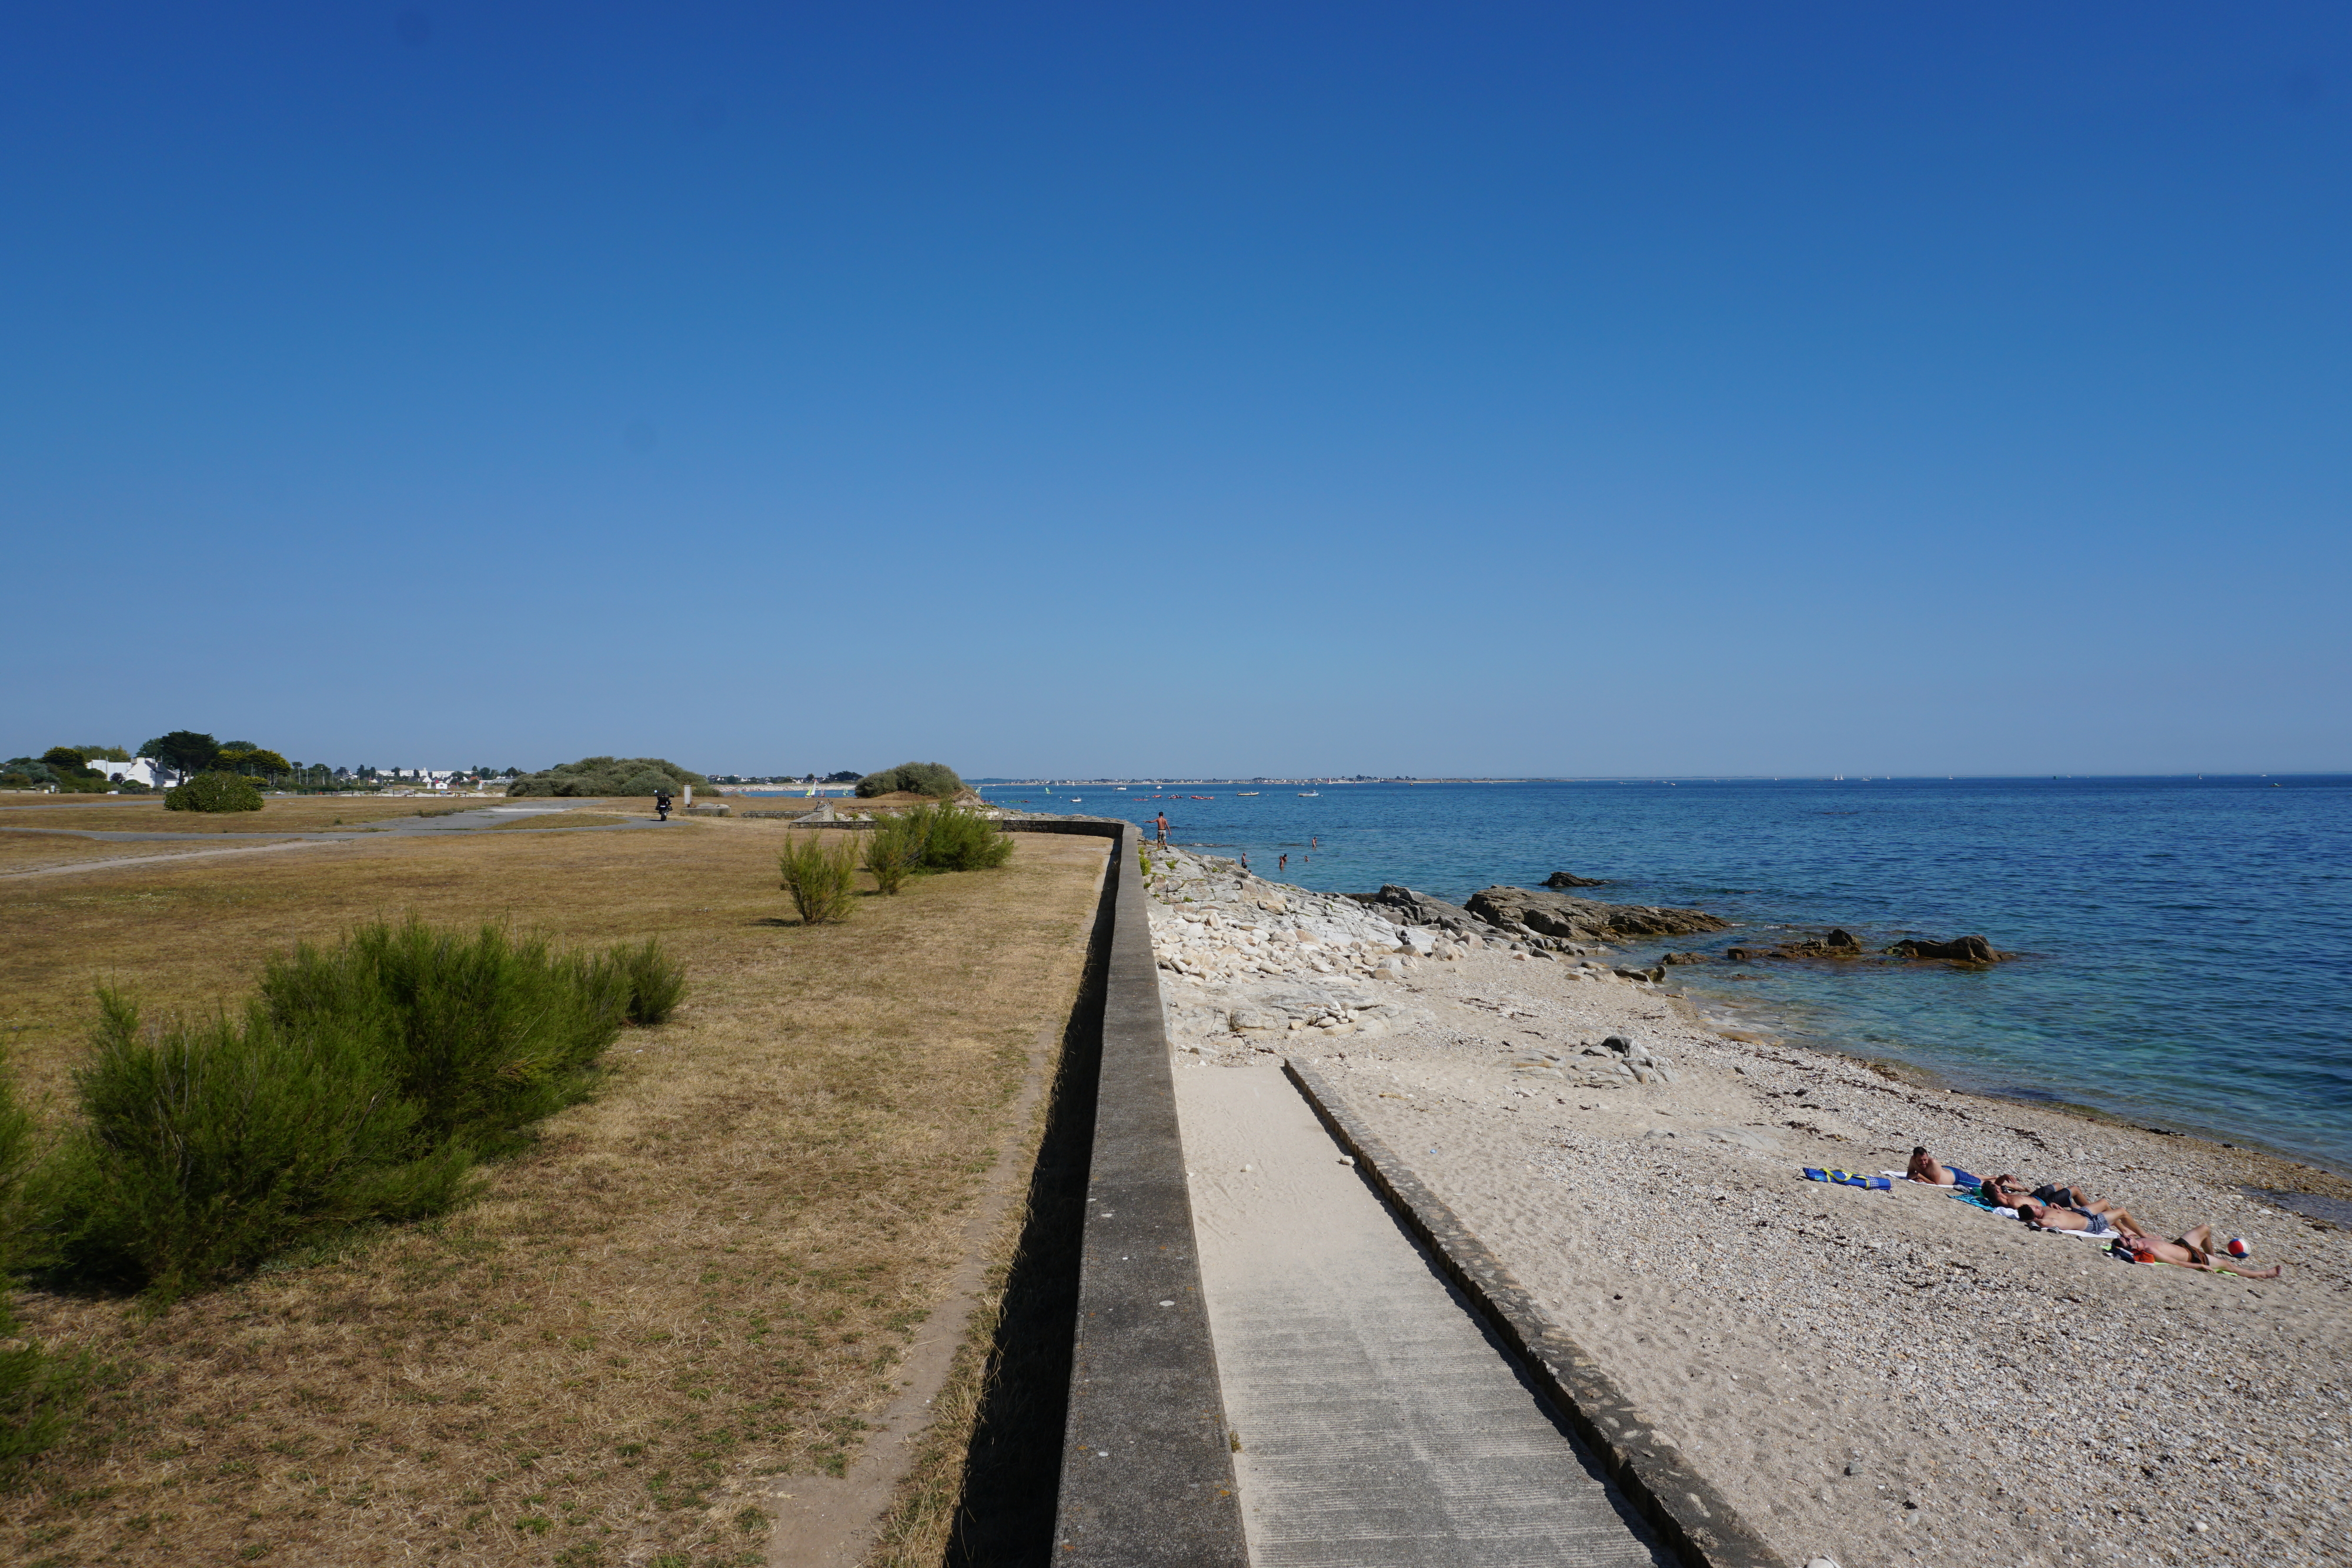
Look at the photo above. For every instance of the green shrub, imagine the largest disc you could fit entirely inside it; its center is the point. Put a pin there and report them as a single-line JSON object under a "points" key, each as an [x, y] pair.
{"points": [[483, 1033], [958, 840], [362, 1083], [209, 1145], [935, 779], [819, 870], [212, 792], [40, 1389], [655, 982], [894, 850], [607, 776]]}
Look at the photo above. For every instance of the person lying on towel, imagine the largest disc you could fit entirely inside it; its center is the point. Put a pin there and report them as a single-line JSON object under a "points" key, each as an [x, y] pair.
{"points": [[1925, 1168], [2194, 1250], [2111, 1222], [2008, 1192]]}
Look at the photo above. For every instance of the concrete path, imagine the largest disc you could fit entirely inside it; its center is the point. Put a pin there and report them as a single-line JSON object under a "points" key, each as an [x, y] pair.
{"points": [[1379, 1425], [466, 821]]}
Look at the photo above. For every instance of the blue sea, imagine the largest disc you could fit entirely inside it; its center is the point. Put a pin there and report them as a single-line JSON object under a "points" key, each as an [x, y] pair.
{"points": [[2188, 940]]}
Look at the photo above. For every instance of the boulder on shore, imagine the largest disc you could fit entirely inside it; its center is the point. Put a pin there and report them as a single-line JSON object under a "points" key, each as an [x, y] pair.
{"points": [[1958, 950], [1406, 907], [1585, 919], [1845, 946], [1568, 879]]}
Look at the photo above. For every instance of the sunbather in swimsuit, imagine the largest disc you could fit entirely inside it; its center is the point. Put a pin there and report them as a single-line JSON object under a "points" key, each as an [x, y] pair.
{"points": [[2192, 1251], [2010, 1191], [2055, 1217], [1925, 1168], [2071, 1196]]}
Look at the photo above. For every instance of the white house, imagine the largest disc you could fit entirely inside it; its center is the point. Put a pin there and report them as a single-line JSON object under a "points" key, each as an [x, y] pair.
{"points": [[142, 769]]}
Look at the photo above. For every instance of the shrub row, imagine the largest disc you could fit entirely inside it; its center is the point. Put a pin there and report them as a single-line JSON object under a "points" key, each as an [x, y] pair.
{"points": [[819, 870]]}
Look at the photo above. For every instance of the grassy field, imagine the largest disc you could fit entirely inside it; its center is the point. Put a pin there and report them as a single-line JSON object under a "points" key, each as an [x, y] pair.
{"points": [[696, 1282]]}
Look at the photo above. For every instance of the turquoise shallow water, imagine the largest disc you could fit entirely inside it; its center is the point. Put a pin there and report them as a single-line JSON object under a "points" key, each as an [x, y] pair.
{"points": [[2191, 940]]}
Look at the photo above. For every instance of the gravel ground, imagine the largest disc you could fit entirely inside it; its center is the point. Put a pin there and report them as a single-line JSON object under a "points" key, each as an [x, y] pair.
{"points": [[1879, 1377]]}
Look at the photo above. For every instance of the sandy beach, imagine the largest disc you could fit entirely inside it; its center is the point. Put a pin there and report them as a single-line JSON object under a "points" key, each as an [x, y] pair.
{"points": [[1874, 1376]]}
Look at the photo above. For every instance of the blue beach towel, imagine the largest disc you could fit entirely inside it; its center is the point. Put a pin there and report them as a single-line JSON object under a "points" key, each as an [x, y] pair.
{"points": [[1847, 1178]]}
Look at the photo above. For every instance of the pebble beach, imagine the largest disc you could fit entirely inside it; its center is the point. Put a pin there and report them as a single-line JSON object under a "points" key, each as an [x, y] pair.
{"points": [[1872, 1377]]}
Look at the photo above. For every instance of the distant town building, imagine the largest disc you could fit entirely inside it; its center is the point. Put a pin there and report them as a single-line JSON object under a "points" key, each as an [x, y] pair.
{"points": [[138, 770]]}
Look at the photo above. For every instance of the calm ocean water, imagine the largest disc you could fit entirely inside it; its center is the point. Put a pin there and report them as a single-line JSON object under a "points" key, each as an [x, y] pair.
{"points": [[2191, 940]]}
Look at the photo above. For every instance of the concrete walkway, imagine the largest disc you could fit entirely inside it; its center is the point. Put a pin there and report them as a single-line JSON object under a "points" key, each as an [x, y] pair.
{"points": [[464, 822], [1378, 1423]]}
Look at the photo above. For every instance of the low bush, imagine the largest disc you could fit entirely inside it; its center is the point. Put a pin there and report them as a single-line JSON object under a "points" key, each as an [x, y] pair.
{"points": [[40, 1389], [483, 1033], [958, 840], [655, 982], [212, 792], [819, 870], [894, 850], [935, 779], [209, 1145], [362, 1083]]}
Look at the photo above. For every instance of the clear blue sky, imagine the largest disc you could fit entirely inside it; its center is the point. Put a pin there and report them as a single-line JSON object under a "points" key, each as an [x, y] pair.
{"points": [[1258, 388]]}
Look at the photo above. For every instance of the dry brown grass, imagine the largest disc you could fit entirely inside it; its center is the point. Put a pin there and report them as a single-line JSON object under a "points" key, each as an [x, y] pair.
{"points": [[302, 815], [705, 1275]]}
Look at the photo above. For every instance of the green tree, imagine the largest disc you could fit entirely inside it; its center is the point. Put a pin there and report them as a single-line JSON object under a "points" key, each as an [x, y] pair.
{"points": [[67, 759], [244, 757], [104, 753], [183, 751]]}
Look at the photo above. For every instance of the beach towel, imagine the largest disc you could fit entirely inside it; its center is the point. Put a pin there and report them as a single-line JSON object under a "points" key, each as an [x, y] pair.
{"points": [[1847, 1178], [1973, 1201]]}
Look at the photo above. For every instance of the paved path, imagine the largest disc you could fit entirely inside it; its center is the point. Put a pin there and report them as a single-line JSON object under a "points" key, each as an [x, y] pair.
{"points": [[1379, 1425], [456, 823]]}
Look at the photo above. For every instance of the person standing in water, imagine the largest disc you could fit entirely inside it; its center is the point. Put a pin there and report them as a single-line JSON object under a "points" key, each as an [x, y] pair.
{"points": [[1282, 865]]}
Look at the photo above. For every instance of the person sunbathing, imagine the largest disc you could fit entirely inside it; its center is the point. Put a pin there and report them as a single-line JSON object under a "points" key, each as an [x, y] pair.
{"points": [[1925, 1168], [2194, 1250], [2056, 1217], [2007, 1192]]}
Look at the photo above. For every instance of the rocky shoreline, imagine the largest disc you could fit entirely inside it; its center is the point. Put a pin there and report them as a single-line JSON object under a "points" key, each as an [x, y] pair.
{"points": [[1876, 1376]]}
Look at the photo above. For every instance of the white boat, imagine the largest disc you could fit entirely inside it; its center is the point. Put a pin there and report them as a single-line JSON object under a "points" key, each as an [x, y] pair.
{"points": [[1310, 794], [1246, 791]]}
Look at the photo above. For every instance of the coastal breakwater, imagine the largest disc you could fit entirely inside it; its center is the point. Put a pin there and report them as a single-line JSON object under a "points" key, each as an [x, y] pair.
{"points": [[1876, 1376]]}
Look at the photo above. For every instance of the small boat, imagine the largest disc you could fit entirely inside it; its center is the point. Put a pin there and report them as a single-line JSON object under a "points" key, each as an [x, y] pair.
{"points": [[1310, 794], [1247, 792], [1204, 797]]}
